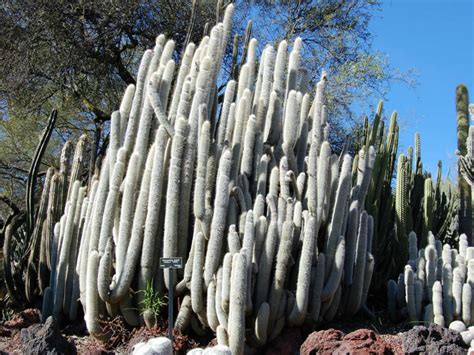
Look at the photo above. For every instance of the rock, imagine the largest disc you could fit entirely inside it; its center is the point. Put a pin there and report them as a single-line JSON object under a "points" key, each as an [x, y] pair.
{"points": [[197, 351], [434, 339], [214, 350], [217, 350], [322, 342], [363, 341], [45, 339], [161, 346], [142, 349], [331, 341], [467, 336], [4, 332], [458, 326], [23, 319], [154, 346], [288, 342]]}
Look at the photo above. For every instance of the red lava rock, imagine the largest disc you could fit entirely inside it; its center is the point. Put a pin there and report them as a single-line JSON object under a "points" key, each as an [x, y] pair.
{"points": [[394, 342], [288, 342], [5, 332], [362, 341], [322, 342], [23, 319]]}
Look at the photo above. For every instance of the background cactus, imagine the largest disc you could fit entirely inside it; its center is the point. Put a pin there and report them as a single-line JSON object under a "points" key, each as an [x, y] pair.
{"points": [[419, 203], [443, 294], [465, 198]]}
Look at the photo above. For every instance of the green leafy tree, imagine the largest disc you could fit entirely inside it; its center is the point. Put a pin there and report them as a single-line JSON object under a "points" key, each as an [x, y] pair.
{"points": [[337, 39], [78, 57]]}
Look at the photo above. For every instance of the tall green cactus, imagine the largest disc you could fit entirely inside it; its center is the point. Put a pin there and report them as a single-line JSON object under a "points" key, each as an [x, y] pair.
{"points": [[401, 205], [465, 198]]}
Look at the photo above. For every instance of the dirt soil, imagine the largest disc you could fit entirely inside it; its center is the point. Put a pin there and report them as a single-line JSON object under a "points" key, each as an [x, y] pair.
{"points": [[121, 338]]}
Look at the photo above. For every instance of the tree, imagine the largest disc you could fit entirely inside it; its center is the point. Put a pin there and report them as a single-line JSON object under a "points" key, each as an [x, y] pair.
{"points": [[337, 39], [78, 57]]}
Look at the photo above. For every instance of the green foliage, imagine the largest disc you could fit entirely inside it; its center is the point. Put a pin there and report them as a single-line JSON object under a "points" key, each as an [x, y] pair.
{"points": [[152, 300], [76, 57], [336, 38], [79, 58], [6, 314]]}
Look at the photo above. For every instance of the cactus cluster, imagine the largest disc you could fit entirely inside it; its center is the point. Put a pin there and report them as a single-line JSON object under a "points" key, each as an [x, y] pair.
{"points": [[244, 186], [49, 244], [418, 203], [436, 286], [464, 132]]}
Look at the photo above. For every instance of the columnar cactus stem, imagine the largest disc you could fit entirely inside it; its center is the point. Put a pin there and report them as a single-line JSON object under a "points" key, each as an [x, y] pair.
{"points": [[226, 281], [150, 238], [298, 313], [170, 240], [126, 212], [84, 255], [184, 69], [401, 203], [284, 252], [392, 299], [115, 139], [337, 220], [430, 256], [351, 240], [112, 198], [261, 324], [61, 276], [466, 303], [438, 303], [92, 295], [225, 112], [204, 82], [238, 296], [267, 256], [280, 67], [221, 315], [336, 273], [318, 288], [465, 210], [133, 121], [357, 284], [410, 293], [212, 319], [196, 278], [218, 220], [458, 281], [447, 293], [184, 315], [124, 111], [133, 250], [200, 184]]}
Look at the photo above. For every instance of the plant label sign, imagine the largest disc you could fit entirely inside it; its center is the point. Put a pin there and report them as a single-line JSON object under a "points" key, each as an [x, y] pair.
{"points": [[171, 263]]}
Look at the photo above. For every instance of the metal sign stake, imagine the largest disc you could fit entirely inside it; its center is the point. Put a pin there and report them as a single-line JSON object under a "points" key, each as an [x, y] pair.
{"points": [[170, 304], [170, 264]]}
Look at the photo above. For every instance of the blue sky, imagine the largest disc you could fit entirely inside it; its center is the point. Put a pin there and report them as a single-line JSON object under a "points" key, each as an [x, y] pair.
{"points": [[436, 38]]}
